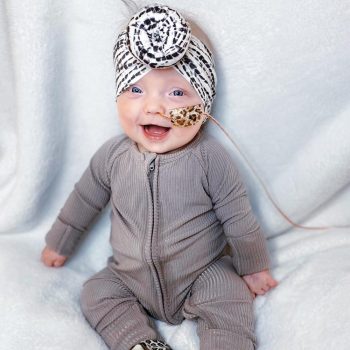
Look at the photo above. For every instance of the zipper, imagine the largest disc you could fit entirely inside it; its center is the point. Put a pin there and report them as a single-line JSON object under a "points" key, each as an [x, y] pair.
{"points": [[150, 174]]}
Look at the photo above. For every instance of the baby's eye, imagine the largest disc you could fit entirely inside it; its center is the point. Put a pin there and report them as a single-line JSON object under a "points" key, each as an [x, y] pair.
{"points": [[177, 93], [136, 90]]}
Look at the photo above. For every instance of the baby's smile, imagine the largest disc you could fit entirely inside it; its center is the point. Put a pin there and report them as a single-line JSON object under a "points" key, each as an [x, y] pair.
{"points": [[155, 132]]}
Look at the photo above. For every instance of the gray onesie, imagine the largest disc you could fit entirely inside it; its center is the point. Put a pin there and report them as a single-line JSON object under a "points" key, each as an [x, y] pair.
{"points": [[172, 216]]}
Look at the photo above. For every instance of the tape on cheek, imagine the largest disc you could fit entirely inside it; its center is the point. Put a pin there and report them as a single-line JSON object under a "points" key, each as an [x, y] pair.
{"points": [[186, 116]]}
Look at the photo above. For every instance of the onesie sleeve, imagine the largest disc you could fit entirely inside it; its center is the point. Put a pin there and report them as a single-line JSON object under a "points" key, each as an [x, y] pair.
{"points": [[89, 196], [232, 208]]}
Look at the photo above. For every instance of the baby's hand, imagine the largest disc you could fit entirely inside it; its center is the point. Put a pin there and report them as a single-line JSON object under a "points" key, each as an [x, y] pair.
{"points": [[50, 258], [261, 282]]}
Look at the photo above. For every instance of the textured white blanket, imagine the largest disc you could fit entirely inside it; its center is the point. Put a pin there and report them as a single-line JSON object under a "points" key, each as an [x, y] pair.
{"points": [[284, 95]]}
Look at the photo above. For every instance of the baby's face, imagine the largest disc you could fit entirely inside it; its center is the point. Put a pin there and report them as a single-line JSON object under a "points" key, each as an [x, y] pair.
{"points": [[140, 106]]}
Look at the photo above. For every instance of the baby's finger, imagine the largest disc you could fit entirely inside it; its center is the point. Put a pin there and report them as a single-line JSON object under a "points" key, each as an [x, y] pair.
{"points": [[46, 259], [260, 292], [58, 262], [272, 282], [265, 288], [47, 262]]}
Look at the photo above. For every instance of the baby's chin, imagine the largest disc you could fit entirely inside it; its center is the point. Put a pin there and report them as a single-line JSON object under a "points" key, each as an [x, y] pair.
{"points": [[155, 148], [163, 147]]}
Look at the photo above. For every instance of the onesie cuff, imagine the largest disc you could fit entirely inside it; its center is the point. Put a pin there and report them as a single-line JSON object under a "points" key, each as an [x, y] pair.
{"points": [[250, 253], [63, 238]]}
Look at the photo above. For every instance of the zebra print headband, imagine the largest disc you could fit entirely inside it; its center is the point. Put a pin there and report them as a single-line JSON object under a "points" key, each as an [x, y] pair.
{"points": [[159, 37]]}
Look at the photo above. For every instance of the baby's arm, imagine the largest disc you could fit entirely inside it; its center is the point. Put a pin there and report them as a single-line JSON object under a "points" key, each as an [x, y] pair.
{"points": [[250, 255], [90, 195]]}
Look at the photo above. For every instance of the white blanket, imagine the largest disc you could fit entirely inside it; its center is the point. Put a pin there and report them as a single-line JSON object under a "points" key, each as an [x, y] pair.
{"points": [[283, 94]]}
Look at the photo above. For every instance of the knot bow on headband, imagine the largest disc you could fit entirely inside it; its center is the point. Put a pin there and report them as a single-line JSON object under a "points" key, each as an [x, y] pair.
{"points": [[158, 37]]}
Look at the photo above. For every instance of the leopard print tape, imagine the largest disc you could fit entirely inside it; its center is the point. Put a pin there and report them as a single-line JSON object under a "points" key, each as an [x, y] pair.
{"points": [[186, 116]]}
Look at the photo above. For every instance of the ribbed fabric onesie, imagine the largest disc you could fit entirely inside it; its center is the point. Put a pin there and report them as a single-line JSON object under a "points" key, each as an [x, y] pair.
{"points": [[172, 216]]}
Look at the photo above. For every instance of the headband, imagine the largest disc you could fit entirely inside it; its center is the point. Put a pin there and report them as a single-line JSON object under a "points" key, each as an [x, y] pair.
{"points": [[159, 37]]}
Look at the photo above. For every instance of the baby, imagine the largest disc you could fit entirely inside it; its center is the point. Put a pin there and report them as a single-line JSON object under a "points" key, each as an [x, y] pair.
{"points": [[177, 200]]}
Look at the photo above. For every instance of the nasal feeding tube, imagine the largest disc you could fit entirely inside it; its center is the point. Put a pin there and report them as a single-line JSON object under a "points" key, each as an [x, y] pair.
{"points": [[191, 115]]}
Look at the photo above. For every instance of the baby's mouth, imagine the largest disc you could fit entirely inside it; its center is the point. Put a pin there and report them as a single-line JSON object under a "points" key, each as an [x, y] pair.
{"points": [[155, 130]]}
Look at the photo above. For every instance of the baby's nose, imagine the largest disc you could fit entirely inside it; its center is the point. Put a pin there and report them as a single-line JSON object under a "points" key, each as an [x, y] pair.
{"points": [[155, 106]]}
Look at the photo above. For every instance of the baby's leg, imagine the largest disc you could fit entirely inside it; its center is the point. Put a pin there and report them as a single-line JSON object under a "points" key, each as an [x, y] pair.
{"points": [[114, 312], [223, 306]]}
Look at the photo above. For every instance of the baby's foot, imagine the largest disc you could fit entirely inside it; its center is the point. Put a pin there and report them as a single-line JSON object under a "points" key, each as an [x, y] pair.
{"points": [[151, 345]]}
